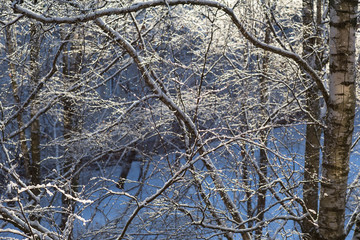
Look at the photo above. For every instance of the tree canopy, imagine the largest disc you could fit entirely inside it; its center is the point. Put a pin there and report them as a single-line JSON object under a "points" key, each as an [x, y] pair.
{"points": [[179, 119]]}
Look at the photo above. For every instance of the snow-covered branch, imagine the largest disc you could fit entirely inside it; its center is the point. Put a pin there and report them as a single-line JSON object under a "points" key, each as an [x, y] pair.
{"points": [[85, 17]]}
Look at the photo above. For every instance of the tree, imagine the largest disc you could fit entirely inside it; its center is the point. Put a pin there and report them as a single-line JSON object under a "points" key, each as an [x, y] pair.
{"points": [[171, 96], [71, 120], [339, 119], [263, 159], [10, 42], [312, 21], [34, 75]]}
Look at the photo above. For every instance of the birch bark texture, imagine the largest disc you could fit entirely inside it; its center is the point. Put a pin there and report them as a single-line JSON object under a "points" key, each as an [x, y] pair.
{"points": [[339, 120]]}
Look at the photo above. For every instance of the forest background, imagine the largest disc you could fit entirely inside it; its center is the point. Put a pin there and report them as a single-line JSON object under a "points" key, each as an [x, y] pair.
{"points": [[179, 119]]}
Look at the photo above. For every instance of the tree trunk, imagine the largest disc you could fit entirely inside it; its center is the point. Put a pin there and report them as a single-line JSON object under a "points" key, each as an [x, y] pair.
{"points": [[340, 119], [263, 160], [71, 69], [35, 125], [313, 132], [11, 51]]}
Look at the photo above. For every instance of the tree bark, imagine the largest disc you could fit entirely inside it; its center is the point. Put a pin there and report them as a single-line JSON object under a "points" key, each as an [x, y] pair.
{"points": [[71, 69], [313, 132], [11, 51], [340, 119], [35, 125], [263, 160]]}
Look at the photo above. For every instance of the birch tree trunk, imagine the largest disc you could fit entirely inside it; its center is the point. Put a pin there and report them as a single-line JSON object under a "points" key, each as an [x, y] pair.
{"points": [[340, 119]]}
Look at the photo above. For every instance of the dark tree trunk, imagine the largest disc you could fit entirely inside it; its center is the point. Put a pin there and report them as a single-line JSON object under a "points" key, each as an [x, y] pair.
{"points": [[10, 33], [35, 136], [263, 160], [311, 38], [71, 69]]}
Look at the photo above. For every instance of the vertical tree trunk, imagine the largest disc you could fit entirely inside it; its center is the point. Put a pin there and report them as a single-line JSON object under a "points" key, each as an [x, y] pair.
{"points": [[35, 126], [11, 51], [313, 132], [247, 182], [71, 69], [340, 119], [263, 161]]}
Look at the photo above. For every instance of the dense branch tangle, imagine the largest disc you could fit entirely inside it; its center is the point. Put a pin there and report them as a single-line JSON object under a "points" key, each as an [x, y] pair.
{"points": [[197, 147], [153, 83], [139, 6]]}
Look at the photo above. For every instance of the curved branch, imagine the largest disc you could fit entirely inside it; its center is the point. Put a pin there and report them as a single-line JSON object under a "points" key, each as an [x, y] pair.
{"points": [[163, 97], [93, 15]]}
